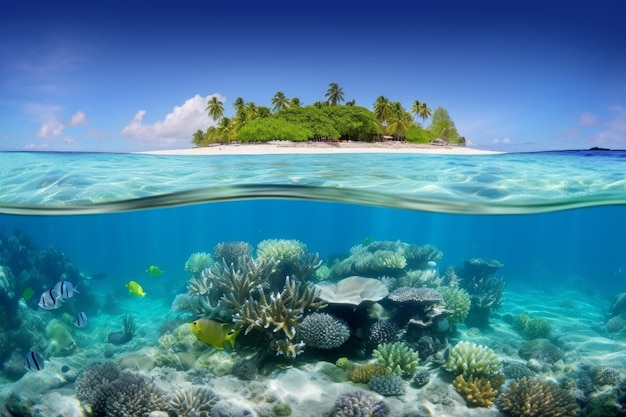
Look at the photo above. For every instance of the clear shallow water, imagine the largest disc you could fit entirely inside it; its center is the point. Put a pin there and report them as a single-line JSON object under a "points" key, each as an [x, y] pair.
{"points": [[84, 207], [504, 183]]}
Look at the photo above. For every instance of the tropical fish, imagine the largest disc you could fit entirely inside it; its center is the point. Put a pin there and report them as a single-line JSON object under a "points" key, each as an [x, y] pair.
{"points": [[33, 361], [27, 293], [81, 319], [367, 241], [50, 300], [214, 333], [65, 289], [135, 289], [155, 271]]}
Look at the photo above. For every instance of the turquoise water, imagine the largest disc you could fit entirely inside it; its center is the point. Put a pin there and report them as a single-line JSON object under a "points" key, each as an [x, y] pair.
{"points": [[555, 221]]}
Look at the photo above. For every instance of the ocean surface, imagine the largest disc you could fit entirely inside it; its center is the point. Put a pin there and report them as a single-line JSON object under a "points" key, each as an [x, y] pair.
{"points": [[553, 222]]}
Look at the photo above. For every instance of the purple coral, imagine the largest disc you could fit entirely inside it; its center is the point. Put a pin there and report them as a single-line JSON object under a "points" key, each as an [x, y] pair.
{"points": [[359, 404]]}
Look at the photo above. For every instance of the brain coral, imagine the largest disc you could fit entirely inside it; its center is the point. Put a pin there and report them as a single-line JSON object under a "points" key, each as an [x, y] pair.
{"points": [[323, 331], [469, 359], [527, 397], [359, 404]]}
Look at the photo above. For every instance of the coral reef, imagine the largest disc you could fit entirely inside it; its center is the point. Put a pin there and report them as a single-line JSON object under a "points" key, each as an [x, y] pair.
{"points": [[607, 376], [387, 385], [232, 252], [292, 260], [475, 390], [531, 327], [615, 324], [419, 307], [61, 342], [198, 262], [421, 257], [383, 331], [457, 302], [361, 374], [516, 371], [376, 259], [486, 291], [527, 397], [420, 378], [194, 401], [469, 359], [94, 386], [398, 357], [359, 404], [352, 290], [323, 331]]}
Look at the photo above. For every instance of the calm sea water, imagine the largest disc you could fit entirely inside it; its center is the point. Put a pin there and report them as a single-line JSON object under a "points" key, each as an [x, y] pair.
{"points": [[551, 218]]}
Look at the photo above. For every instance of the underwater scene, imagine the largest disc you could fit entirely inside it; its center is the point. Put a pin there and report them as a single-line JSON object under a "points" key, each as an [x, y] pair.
{"points": [[313, 285]]}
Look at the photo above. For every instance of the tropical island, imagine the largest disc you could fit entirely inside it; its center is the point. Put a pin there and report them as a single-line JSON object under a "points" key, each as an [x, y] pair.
{"points": [[328, 120]]}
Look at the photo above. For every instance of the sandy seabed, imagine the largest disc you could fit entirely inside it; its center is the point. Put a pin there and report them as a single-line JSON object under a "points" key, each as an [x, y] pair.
{"points": [[280, 147]]}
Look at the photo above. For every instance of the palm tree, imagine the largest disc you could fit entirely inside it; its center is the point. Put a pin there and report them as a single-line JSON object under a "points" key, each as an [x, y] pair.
{"points": [[239, 104], [215, 108], [424, 112], [399, 120], [279, 102], [382, 109], [415, 108], [295, 102], [334, 95], [351, 102], [198, 138]]}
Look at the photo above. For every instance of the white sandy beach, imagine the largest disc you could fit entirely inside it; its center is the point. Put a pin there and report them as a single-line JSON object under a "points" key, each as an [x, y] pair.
{"points": [[277, 147]]}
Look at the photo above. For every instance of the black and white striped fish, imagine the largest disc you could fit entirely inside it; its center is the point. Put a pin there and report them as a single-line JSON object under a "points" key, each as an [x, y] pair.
{"points": [[64, 289], [50, 300], [33, 361], [81, 319]]}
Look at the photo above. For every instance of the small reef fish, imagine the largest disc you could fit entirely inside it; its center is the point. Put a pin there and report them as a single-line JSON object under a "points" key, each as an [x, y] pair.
{"points": [[135, 289], [33, 361], [214, 333], [65, 289], [367, 241], [50, 300], [27, 293], [154, 271], [81, 320]]}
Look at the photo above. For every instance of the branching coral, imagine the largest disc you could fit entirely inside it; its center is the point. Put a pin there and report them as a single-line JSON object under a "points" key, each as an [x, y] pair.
{"points": [[476, 390], [457, 302], [527, 397], [280, 314], [469, 359], [133, 395], [398, 357], [292, 260]]}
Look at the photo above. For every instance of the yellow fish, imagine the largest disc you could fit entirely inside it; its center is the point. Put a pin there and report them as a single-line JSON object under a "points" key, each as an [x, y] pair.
{"points": [[135, 289], [155, 271], [214, 333]]}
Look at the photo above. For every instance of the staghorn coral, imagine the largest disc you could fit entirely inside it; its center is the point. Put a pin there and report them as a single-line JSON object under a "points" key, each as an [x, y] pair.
{"points": [[387, 385], [194, 401], [198, 262], [361, 374], [398, 357], [475, 390], [232, 252], [323, 331], [457, 302], [469, 359], [420, 257], [528, 397], [359, 404]]}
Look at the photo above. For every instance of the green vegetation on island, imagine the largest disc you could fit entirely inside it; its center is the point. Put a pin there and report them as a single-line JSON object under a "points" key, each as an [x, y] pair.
{"points": [[287, 119]]}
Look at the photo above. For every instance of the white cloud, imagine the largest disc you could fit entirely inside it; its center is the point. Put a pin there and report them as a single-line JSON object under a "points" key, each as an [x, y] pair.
{"points": [[613, 133], [51, 128], [177, 127], [587, 118], [505, 141], [78, 119]]}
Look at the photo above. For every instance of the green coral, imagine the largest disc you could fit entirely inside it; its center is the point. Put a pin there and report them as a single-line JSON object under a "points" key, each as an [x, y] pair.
{"points": [[469, 359], [198, 262], [532, 327], [457, 302], [397, 357]]}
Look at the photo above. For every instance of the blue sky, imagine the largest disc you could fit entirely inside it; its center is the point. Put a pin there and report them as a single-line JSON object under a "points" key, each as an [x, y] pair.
{"points": [[125, 76]]}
